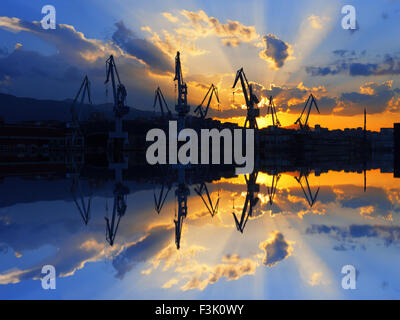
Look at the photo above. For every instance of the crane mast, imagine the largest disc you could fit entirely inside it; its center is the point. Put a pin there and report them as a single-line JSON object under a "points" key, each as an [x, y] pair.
{"points": [[181, 107], [251, 100], [272, 109], [202, 113], [119, 96], [182, 193]]}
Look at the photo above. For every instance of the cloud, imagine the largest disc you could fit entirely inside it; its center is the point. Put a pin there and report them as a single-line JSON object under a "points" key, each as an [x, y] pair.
{"points": [[349, 236], [276, 249], [352, 64], [141, 48], [276, 51]]}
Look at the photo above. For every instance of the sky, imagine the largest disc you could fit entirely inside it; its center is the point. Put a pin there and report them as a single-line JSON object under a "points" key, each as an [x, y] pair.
{"points": [[287, 250], [288, 49]]}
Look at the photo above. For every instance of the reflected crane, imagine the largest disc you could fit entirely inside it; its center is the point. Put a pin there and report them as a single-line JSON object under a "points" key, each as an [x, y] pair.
{"points": [[182, 193], [251, 100], [309, 104], [119, 95], [159, 97], [79, 200], [75, 109], [310, 197], [200, 111], [212, 209], [119, 208], [272, 109], [162, 196], [250, 201], [272, 191]]}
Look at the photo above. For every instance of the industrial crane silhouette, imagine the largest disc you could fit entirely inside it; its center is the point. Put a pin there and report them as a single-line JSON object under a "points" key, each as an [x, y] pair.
{"points": [[162, 196], [310, 197], [309, 103], [79, 199], [182, 193], [159, 97], [181, 107], [119, 207], [250, 201], [251, 100], [272, 110], [202, 188], [200, 110], [120, 109], [84, 91], [272, 191]]}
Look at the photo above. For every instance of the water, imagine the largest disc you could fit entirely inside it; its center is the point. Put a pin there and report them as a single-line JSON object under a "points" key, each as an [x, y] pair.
{"points": [[293, 245]]}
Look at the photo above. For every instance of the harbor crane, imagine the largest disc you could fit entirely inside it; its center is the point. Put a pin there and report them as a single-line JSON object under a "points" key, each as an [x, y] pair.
{"points": [[272, 110], [212, 209], [182, 193], [79, 200], [119, 95], [200, 110], [181, 107], [308, 194], [251, 100], [250, 201], [272, 191], [309, 104], [84, 91], [159, 97], [119, 208], [162, 196]]}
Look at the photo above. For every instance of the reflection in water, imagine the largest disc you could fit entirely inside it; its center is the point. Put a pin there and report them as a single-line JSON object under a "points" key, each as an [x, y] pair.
{"points": [[304, 224], [250, 202]]}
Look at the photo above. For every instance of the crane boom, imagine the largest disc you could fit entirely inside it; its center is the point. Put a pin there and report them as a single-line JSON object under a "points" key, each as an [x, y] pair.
{"points": [[308, 105], [272, 109], [202, 113], [159, 97]]}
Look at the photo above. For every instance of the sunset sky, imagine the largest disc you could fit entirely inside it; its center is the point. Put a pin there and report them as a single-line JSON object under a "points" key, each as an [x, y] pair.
{"points": [[288, 49]]}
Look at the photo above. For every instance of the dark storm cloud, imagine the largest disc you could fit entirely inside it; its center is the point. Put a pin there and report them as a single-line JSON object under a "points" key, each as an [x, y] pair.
{"points": [[141, 48], [141, 251], [351, 63], [350, 236], [276, 50], [276, 249]]}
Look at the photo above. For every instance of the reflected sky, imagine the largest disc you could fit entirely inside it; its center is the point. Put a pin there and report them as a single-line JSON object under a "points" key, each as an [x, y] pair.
{"points": [[289, 248]]}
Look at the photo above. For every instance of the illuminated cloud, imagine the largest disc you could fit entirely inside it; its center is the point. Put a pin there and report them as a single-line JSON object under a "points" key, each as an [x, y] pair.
{"points": [[276, 249], [276, 51]]}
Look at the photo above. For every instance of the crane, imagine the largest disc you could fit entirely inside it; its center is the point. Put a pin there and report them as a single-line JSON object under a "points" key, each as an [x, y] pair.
{"points": [[309, 103], [119, 94], [202, 113], [84, 91], [250, 201], [79, 200], [182, 192], [160, 200], [310, 197], [272, 109], [159, 97], [251, 100], [212, 209], [119, 208], [181, 107], [272, 191]]}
